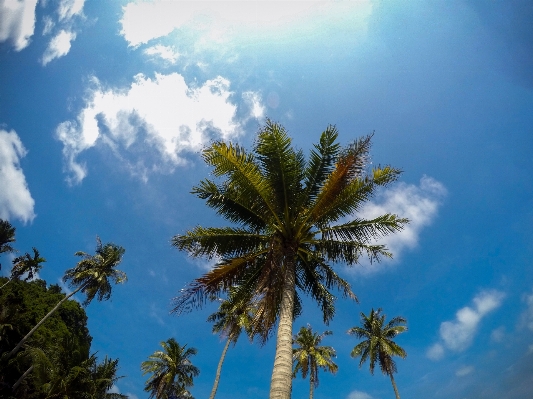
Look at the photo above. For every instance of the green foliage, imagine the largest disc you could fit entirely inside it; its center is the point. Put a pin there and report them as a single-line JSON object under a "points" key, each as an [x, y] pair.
{"points": [[171, 370], [309, 356], [22, 305], [93, 272], [286, 210]]}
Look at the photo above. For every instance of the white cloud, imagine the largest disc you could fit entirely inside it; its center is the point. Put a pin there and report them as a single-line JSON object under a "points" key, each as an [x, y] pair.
{"points": [[167, 53], [527, 315], [464, 371], [17, 22], [457, 335], [59, 46], [131, 395], [67, 9], [15, 199], [358, 395], [152, 124], [417, 203], [218, 22]]}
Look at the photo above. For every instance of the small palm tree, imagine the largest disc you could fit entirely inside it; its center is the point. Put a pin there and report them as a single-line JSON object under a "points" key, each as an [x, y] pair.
{"points": [[91, 276], [232, 317], [172, 371], [7, 236], [309, 356], [379, 345], [26, 265]]}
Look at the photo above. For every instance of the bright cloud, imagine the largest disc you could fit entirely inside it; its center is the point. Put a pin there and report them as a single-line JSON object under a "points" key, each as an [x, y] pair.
{"points": [[151, 125], [457, 335], [417, 203], [17, 22], [358, 395], [144, 21], [15, 201], [59, 46]]}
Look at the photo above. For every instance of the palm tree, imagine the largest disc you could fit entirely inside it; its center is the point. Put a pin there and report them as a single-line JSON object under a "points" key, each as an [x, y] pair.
{"points": [[91, 276], [172, 371], [230, 319], [378, 345], [7, 236], [309, 356], [26, 264], [283, 237]]}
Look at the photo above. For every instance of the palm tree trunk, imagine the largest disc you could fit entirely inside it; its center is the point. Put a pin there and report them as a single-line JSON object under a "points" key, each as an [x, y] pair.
{"points": [[28, 335], [281, 383], [16, 385], [219, 369], [394, 386], [312, 383]]}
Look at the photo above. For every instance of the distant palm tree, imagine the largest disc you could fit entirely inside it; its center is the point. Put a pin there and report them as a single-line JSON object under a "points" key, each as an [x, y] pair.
{"points": [[7, 236], [172, 371], [90, 276], [232, 317], [309, 356], [26, 265], [379, 345], [290, 220]]}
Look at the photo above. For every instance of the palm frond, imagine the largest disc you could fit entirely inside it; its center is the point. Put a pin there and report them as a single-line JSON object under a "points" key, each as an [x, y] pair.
{"points": [[224, 242]]}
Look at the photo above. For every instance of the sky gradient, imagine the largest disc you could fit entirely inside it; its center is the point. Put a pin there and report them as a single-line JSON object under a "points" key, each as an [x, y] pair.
{"points": [[106, 106]]}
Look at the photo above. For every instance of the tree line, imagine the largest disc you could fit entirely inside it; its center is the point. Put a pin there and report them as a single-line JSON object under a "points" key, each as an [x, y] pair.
{"points": [[291, 219]]}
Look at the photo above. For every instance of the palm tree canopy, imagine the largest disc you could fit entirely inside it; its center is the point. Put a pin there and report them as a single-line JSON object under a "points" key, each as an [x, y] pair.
{"points": [[27, 264], [7, 236], [309, 355], [171, 369], [283, 209], [378, 345], [93, 272], [233, 316]]}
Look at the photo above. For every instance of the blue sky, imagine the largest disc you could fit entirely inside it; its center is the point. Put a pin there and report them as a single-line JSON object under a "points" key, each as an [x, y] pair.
{"points": [[105, 107]]}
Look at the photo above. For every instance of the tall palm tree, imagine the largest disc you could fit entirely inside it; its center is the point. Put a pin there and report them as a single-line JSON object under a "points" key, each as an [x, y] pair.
{"points": [[230, 319], [284, 235], [91, 276], [309, 356], [378, 345], [172, 371]]}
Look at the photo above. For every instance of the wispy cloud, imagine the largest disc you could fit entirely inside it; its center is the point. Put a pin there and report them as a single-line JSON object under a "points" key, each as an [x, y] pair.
{"points": [[527, 315], [358, 395], [166, 53], [17, 22], [464, 371], [15, 197], [457, 335], [150, 136]]}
